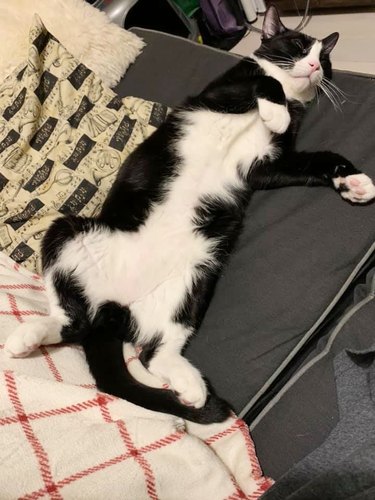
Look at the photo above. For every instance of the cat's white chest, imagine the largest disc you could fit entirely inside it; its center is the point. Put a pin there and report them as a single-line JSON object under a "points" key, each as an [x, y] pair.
{"points": [[223, 143]]}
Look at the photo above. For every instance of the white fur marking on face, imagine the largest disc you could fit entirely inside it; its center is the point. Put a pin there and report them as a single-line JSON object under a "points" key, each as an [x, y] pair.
{"points": [[309, 67], [275, 116], [296, 83]]}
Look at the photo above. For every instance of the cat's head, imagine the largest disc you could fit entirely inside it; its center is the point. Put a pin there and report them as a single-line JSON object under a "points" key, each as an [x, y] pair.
{"points": [[301, 63]]}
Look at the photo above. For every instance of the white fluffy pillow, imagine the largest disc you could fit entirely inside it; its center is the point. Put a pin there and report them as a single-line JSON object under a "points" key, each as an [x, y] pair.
{"points": [[86, 32]]}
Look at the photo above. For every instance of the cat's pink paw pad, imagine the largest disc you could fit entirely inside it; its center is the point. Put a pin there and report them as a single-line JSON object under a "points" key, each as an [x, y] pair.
{"points": [[357, 188], [354, 181]]}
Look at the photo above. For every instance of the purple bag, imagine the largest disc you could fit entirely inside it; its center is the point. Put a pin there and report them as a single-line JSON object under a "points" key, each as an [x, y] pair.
{"points": [[222, 17]]}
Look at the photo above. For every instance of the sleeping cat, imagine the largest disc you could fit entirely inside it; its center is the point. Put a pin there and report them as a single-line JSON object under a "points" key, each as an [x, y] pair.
{"points": [[144, 270]]}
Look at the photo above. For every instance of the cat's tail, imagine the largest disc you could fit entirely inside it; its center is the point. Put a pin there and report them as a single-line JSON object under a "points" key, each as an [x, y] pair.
{"points": [[103, 347]]}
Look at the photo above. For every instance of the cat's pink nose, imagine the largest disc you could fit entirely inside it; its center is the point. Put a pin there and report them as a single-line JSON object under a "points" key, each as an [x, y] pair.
{"points": [[314, 65]]}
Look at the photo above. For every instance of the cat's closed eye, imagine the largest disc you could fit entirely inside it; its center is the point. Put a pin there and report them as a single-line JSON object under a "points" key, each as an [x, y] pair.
{"points": [[300, 45]]}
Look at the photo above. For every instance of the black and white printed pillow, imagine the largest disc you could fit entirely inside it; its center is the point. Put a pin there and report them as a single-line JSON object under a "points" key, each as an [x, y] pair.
{"points": [[63, 137]]}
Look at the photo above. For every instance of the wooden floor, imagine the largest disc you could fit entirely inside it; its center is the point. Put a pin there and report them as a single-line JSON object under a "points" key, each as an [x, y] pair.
{"points": [[355, 50]]}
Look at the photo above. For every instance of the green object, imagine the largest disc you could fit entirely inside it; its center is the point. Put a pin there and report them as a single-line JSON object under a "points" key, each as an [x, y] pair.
{"points": [[189, 7]]}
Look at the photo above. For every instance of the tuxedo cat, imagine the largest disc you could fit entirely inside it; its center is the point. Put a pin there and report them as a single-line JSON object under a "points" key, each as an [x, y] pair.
{"points": [[144, 270]]}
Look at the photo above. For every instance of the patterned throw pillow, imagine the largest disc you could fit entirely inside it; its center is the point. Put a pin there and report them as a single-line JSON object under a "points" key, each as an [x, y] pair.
{"points": [[63, 137]]}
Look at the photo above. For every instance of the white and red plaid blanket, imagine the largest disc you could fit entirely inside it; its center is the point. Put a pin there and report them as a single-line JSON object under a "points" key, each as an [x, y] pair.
{"points": [[62, 439]]}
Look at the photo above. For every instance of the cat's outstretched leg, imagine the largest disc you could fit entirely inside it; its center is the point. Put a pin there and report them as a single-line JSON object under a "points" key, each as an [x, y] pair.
{"points": [[322, 168], [169, 365]]}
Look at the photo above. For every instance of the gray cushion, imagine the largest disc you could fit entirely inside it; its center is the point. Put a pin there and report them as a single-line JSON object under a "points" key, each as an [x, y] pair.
{"points": [[171, 68], [303, 414]]}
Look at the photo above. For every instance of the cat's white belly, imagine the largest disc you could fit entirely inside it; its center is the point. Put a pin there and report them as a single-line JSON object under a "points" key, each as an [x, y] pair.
{"points": [[149, 274], [151, 270]]}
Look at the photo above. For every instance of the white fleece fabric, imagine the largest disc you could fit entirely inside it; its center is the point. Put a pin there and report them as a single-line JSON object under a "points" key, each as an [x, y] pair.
{"points": [[86, 32], [62, 439]]}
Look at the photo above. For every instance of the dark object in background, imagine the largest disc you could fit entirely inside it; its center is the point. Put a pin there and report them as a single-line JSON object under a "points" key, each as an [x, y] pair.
{"points": [[218, 23], [189, 7], [161, 15], [221, 23]]}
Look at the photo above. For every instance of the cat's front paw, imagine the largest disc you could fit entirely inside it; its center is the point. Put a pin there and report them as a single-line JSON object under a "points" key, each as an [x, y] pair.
{"points": [[24, 340], [276, 117], [357, 188]]}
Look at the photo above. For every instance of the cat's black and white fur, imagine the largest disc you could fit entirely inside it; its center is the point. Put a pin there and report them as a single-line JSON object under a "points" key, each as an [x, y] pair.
{"points": [[143, 272]]}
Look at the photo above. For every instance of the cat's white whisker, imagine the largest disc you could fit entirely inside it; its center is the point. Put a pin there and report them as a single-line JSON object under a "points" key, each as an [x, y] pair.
{"points": [[331, 96], [341, 95]]}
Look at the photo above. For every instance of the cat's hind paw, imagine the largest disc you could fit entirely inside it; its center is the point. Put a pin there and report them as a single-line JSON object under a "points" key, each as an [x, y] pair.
{"points": [[191, 391], [182, 378], [276, 117], [357, 188]]}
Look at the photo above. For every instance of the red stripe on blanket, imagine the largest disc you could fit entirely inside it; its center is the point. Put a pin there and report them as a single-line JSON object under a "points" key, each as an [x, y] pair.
{"points": [[23, 286], [102, 401], [21, 313], [38, 449], [51, 365], [108, 463], [238, 494], [160, 443], [233, 428], [14, 308], [78, 475], [256, 470], [75, 408], [265, 484], [140, 459]]}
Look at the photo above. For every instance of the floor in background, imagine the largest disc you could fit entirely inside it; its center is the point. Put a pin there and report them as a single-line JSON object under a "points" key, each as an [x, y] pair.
{"points": [[355, 48]]}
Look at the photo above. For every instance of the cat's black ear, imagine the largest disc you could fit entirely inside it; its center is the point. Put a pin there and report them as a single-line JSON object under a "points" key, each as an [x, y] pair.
{"points": [[329, 42], [272, 24]]}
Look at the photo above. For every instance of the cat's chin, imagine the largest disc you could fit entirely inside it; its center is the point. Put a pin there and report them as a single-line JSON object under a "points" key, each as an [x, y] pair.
{"points": [[302, 89], [305, 84], [301, 83]]}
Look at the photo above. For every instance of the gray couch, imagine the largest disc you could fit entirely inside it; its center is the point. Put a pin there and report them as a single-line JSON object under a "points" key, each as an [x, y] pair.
{"points": [[300, 286]]}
